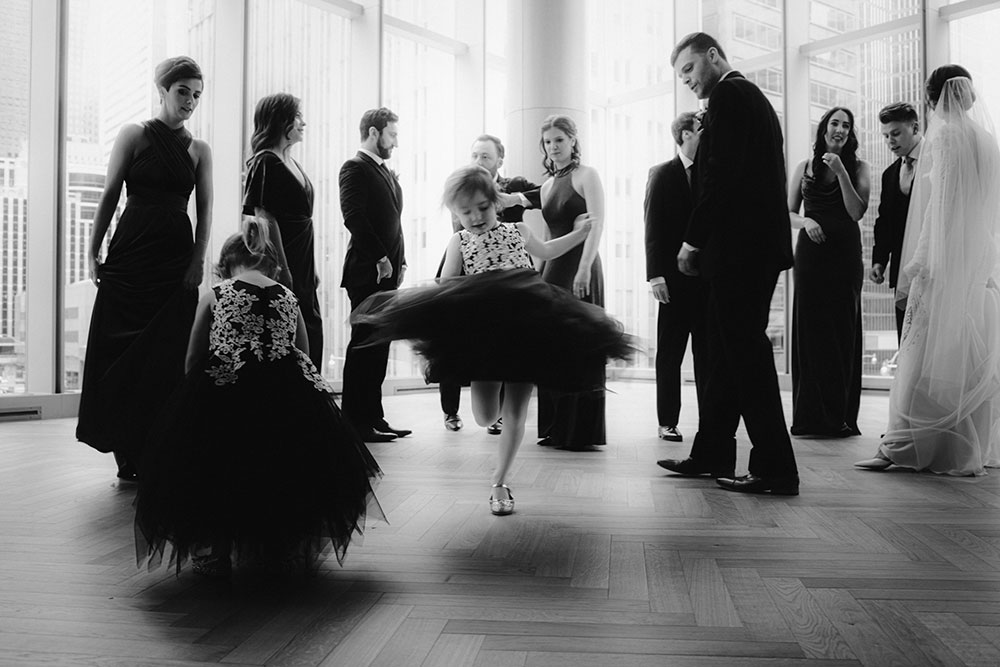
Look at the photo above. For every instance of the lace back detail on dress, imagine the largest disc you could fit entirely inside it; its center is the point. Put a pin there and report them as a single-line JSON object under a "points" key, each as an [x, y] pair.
{"points": [[254, 325]]}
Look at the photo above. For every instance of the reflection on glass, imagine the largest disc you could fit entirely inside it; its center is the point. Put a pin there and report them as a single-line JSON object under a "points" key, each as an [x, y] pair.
{"points": [[15, 29], [110, 84], [302, 48], [830, 17]]}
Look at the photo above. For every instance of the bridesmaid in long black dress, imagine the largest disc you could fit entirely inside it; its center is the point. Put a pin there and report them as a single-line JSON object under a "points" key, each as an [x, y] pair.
{"points": [[826, 308], [147, 284], [278, 191], [572, 421]]}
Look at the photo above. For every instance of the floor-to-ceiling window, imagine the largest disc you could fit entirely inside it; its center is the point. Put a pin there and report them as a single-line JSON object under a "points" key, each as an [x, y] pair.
{"points": [[443, 67], [302, 48], [112, 49], [16, 58], [864, 76], [631, 109], [420, 84]]}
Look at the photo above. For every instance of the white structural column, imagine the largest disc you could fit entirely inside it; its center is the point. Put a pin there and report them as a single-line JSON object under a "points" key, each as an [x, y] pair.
{"points": [[43, 317], [547, 74], [366, 66], [936, 42], [228, 147], [470, 77]]}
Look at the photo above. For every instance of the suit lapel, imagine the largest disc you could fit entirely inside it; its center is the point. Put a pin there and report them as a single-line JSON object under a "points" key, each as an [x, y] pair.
{"points": [[388, 178]]}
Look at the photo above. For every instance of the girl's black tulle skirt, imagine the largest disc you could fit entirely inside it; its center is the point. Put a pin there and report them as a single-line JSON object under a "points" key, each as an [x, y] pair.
{"points": [[499, 325], [267, 465]]}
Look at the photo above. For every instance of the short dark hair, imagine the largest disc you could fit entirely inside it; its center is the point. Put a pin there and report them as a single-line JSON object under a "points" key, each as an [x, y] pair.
{"points": [[898, 112], [172, 70], [700, 42], [468, 181], [377, 118], [496, 142], [937, 79], [273, 117], [685, 121]]}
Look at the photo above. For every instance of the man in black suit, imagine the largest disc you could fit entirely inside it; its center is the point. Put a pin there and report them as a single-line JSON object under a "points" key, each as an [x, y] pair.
{"points": [[901, 131], [738, 240], [516, 194], [371, 202], [681, 313]]}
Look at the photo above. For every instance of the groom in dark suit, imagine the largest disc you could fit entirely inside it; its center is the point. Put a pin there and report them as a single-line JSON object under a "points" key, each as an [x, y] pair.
{"points": [[371, 202], [901, 131], [667, 209], [738, 240]]}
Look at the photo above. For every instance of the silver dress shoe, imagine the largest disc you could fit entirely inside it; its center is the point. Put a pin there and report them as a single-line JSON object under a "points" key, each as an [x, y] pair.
{"points": [[502, 507], [669, 433]]}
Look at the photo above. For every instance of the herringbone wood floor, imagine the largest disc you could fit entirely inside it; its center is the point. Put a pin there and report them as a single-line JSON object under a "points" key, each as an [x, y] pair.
{"points": [[606, 562]]}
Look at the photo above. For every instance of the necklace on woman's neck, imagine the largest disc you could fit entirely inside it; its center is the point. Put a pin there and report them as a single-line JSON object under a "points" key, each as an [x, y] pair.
{"points": [[565, 170]]}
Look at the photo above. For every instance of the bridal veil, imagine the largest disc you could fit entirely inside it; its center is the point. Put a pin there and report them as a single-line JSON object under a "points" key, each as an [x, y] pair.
{"points": [[944, 413]]}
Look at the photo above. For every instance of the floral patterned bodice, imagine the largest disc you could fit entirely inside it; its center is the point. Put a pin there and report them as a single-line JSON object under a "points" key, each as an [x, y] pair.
{"points": [[254, 325], [498, 249]]}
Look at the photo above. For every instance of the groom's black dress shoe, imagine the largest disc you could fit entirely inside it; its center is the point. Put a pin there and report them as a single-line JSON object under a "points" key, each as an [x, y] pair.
{"points": [[691, 468], [374, 435], [778, 486], [384, 427]]}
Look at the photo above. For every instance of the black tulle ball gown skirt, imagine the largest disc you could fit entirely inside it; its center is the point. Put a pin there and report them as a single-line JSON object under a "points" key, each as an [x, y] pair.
{"points": [[499, 325], [266, 464]]}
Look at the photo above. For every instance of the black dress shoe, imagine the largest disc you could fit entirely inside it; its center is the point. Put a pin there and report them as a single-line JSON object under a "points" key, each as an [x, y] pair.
{"points": [[385, 428], [548, 441], [778, 486], [691, 468], [496, 427], [374, 435], [453, 422]]}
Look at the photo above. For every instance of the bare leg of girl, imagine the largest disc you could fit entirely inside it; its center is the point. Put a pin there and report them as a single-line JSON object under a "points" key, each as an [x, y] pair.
{"points": [[514, 413]]}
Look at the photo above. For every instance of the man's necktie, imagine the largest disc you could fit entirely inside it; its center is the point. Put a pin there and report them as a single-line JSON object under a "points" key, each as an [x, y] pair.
{"points": [[906, 175]]}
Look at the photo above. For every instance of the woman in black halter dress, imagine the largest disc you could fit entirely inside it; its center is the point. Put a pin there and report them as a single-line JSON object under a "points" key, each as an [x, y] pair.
{"points": [[147, 284], [572, 420], [826, 307]]}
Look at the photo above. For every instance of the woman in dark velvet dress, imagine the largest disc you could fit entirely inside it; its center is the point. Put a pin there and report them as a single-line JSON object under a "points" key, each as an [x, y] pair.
{"points": [[826, 309], [572, 421], [147, 283], [278, 191]]}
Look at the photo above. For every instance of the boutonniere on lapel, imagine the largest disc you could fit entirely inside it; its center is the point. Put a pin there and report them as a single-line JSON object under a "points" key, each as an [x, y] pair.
{"points": [[395, 174]]}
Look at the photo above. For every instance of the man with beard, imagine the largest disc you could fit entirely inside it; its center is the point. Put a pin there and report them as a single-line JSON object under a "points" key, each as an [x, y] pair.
{"points": [[371, 202]]}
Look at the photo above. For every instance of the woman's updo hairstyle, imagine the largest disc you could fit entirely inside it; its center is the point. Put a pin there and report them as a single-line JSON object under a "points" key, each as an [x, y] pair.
{"points": [[940, 76], [172, 70]]}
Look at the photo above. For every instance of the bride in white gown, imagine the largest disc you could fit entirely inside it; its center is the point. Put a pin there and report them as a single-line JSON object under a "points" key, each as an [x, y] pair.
{"points": [[944, 405]]}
